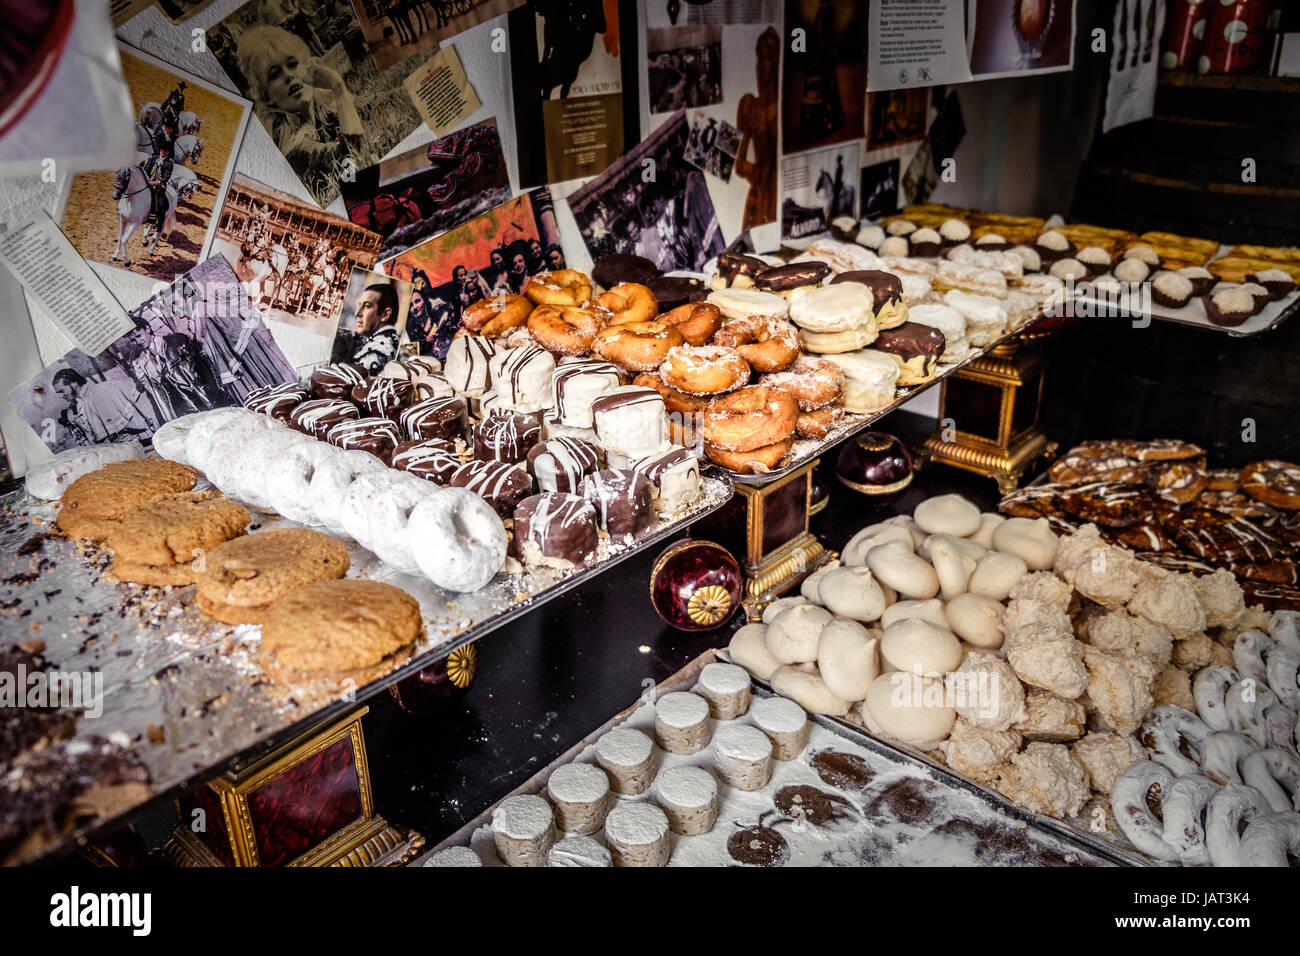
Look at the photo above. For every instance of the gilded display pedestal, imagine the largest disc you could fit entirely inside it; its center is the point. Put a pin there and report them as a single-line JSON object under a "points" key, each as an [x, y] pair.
{"points": [[306, 804], [766, 528], [988, 415]]}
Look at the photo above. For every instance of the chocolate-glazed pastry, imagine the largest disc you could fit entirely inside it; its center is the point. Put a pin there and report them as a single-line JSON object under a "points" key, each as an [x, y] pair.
{"points": [[500, 484], [886, 295], [794, 275], [276, 400], [337, 381], [505, 437], [575, 385], [554, 529], [617, 267], [317, 416], [444, 418], [379, 436], [672, 291], [739, 270], [622, 499], [384, 397], [433, 460], [915, 347], [561, 463], [674, 478]]}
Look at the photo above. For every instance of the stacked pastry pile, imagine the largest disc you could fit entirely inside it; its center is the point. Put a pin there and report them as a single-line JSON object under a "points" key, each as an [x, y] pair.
{"points": [[1159, 499], [1222, 785], [1111, 262], [161, 532], [1027, 661]]}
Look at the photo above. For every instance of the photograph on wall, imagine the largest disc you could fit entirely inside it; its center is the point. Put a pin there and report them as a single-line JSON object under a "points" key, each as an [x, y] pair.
{"points": [[423, 192], [756, 120], [712, 146], [825, 75], [197, 344], [495, 252], [293, 258], [684, 67], [396, 29], [156, 217], [818, 187], [373, 322], [1022, 36], [668, 217], [178, 11], [879, 190], [896, 117], [682, 13], [567, 83], [315, 88]]}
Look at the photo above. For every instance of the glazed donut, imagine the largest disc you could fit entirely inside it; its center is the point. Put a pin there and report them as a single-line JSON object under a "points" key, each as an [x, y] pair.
{"points": [[1248, 655], [814, 382], [561, 287], [1183, 810], [1223, 753], [1208, 690], [704, 369], [768, 344], [756, 461], [1228, 809], [639, 346], [1270, 771], [626, 302], [749, 418], [819, 422], [1246, 711], [1136, 788], [1282, 663], [496, 314], [1271, 839], [564, 330], [1280, 726], [458, 540], [1175, 738], [697, 321]]}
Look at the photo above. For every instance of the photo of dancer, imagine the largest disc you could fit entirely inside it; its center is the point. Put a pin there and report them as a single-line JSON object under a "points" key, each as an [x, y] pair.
{"points": [[495, 252], [373, 321], [196, 345]]}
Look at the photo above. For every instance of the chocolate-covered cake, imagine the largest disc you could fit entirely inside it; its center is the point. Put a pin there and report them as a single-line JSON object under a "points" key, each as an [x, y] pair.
{"points": [[623, 501], [433, 460], [505, 437], [317, 416], [555, 529], [384, 397], [915, 347], [445, 418], [501, 484], [337, 381], [561, 463], [276, 400], [379, 436]]}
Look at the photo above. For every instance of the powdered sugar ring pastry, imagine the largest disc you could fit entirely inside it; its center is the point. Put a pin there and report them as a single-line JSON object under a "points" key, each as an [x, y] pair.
{"points": [[1175, 737], [1271, 840], [1246, 710], [749, 418], [833, 308], [1209, 688], [288, 480], [458, 541], [1184, 809], [1276, 775], [1136, 789], [50, 479], [1227, 811], [1223, 753], [237, 454], [375, 511], [171, 445], [737, 303], [198, 440], [330, 481]]}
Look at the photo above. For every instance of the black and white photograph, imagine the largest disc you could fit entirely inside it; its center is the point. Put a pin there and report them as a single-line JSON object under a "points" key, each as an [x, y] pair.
{"points": [[684, 67], [197, 344], [661, 211], [397, 29], [373, 323], [817, 187], [315, 88], [495, 252], [712, 145], [879, 190], [293, 258]]}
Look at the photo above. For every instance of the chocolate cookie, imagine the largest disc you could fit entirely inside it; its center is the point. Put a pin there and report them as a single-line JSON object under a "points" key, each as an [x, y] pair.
{"points": [[1234, 502], [1160, 449], [243, 577], [672, 291], [1147, 536], [1275, 483], [1272, 597], [794, 275], [95, 503], [1177, 481], [1076, 469], [1032, 501], [1274, 572], [371, 626], [1220, 538], [1222, 479], [1112, 505], [617, 267]]}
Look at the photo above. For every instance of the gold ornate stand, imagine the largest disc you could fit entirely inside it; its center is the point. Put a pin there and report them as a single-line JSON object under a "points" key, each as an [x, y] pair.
{"points": [[766, 528], [306, 804], [992, 428]]}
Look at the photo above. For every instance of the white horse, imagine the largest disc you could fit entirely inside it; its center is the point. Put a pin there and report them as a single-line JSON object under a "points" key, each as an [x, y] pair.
{"points": [[260, 265], [187, 121], [188, 149], [319, 280], [132, 194]]}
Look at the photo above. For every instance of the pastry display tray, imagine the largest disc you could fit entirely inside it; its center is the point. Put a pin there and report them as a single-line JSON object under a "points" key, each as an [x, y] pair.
{"points": [[186, 691], [964, 825], [1193, 314], [805, 449], [1113, 846]]}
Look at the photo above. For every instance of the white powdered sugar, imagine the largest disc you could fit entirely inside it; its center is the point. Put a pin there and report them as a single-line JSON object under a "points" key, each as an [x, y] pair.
{"points": [[681, 709], [453, 856], [579, 851], [624, 748], [636, 824], [777, 715], [523, 817], [578, 783], [724, 678], [687, 787], [742, 743]]}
